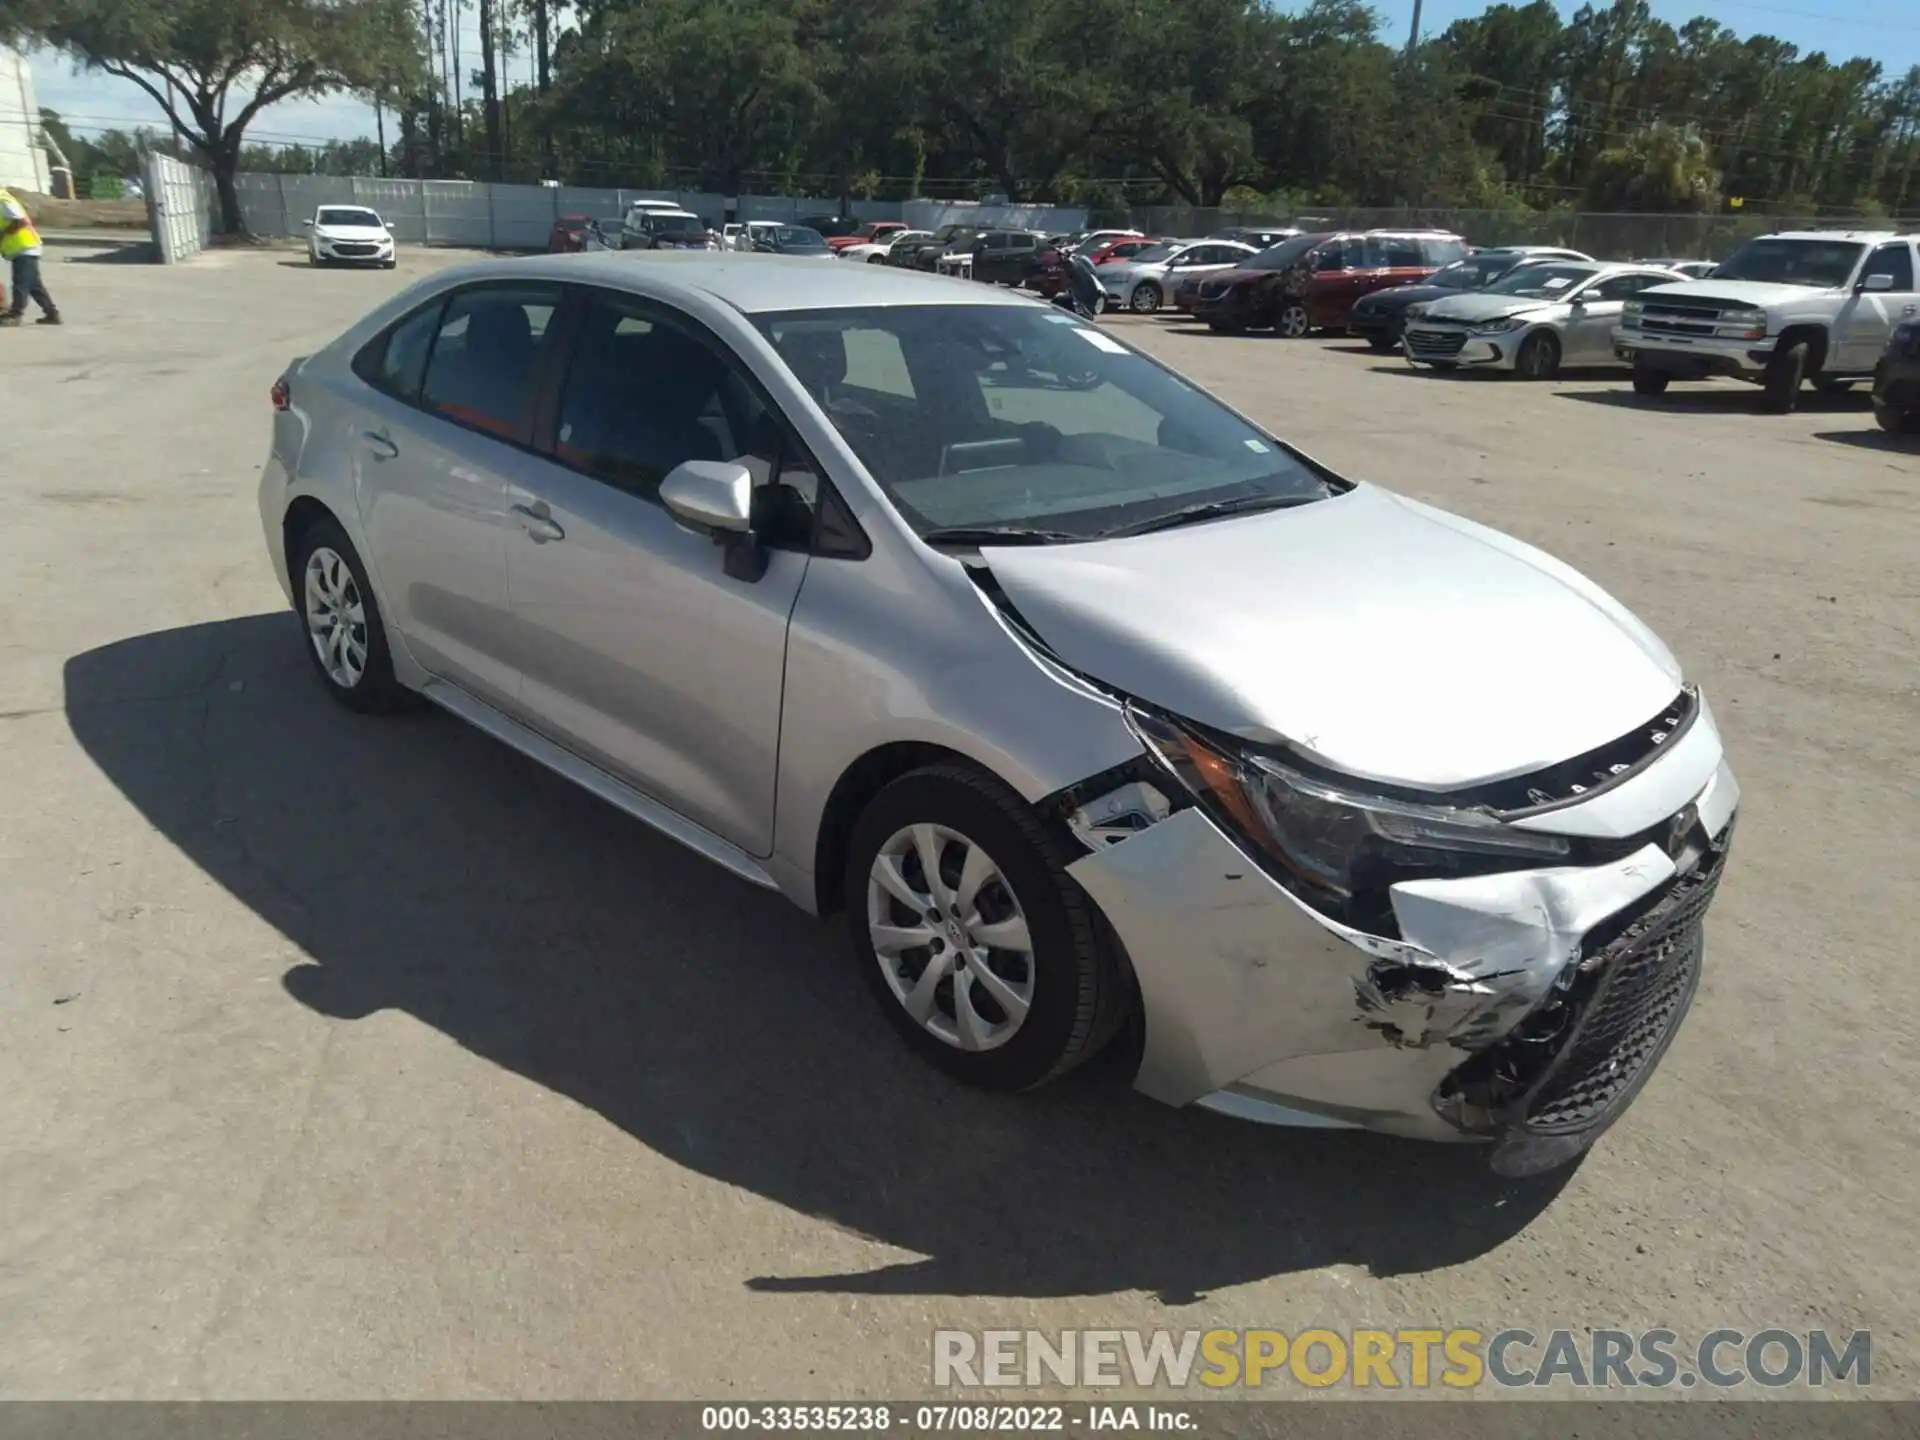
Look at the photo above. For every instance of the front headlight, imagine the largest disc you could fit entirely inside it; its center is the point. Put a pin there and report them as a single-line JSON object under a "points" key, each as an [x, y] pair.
{"points": [[1741, 325], [1497, 327], [1332, 844], [1416, 310]]}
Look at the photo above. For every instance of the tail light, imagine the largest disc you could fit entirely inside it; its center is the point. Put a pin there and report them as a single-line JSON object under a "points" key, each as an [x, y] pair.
{"points": [[282, 397]]}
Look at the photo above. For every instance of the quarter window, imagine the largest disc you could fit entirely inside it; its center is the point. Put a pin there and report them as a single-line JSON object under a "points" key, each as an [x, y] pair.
{"points": [[394, 361], [489, 343]]}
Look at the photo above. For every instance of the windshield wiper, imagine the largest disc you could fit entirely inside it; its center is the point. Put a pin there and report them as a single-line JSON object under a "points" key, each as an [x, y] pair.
{"points": [[996, 535], [1209, 510]]}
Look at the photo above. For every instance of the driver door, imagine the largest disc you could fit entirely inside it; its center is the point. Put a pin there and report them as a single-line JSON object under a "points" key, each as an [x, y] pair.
{"points": [[638, 652], [1866, 321], [1590, 326]]}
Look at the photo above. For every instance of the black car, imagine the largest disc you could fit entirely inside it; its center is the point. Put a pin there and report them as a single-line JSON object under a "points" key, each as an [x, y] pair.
{"points": [[829, 227], [1001, 257], [922, 254], [1896, 382], [1381, 317]]}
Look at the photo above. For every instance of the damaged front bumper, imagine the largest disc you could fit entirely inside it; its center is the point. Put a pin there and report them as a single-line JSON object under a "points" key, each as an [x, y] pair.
{"points": [[1524, 1009]]}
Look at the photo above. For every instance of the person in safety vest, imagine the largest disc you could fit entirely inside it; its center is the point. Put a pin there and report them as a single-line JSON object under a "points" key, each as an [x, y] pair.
{"points": [[20, 247]]}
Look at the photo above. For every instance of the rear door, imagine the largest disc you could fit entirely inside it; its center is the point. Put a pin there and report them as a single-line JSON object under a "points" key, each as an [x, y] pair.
{"points": [[441, 435], [640, 653]]}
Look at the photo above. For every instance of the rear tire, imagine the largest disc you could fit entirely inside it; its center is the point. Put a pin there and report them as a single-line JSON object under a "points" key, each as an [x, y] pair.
{"points": [[977, 831], [341, 627], [1145, 299], [1649, 381], [1833, 387], [1539, 357], [1780, 392]]}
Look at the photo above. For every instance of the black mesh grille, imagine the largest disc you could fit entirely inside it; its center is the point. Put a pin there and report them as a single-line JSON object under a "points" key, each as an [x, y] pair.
{"points": [[1645, 978]]}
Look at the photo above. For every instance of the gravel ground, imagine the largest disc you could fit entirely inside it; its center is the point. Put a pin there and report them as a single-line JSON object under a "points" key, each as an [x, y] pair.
{"points": [[355, 1059]]}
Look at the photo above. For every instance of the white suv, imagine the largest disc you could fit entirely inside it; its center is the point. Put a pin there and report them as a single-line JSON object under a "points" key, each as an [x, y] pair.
{"points": [[1781, 310]]}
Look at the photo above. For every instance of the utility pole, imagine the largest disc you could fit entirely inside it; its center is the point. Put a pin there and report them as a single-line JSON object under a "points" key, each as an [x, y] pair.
{"points": [[1413, 33]]}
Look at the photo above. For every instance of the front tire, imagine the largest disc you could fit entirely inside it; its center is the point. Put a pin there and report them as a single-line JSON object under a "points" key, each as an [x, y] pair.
{"points": [[346, 638], [1649, 381], [1539, 357], [1293, 322], [978, 946], [1897, 412], [1145, 299], [1382, 342], [1785, 372]]}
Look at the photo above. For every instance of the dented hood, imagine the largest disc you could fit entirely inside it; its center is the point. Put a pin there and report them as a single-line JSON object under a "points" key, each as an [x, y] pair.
{"points": [[1388, 639]]}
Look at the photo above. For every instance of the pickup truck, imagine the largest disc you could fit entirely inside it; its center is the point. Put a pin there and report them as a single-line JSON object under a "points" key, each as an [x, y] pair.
{"points": [[1781, 311]]}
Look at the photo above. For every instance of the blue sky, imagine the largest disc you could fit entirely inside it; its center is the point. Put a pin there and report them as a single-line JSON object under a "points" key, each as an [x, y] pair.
{"points": [[1885, 30]]}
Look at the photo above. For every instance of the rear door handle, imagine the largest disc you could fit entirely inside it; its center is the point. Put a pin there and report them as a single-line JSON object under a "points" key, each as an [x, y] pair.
{"points": [[538, 522], [381, 444]]}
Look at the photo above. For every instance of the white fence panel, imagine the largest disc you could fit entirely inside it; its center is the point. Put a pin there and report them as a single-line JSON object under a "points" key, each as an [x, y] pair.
{"points": [[458, 212], [179, 208], [932, 214], [400, 204], [522, 216]]}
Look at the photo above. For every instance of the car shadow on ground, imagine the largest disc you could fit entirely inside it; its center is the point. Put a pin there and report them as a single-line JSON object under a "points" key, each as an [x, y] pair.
{"points": [[1717, 401], [1874, 439], [111, 252], [425, 868]]}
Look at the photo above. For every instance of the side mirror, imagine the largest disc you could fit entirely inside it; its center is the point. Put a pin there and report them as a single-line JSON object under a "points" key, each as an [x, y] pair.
{"points": [[715, 498], [1877, 282], [306, 224]]}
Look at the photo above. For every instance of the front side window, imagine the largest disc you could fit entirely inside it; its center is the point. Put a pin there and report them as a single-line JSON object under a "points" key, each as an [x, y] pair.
{"points": [[1389, 252], [1619, 287], [643, 394], [1895, 260], [1335, 255], [1286, 254], [977, 416], [489, 341], [1822, 264]]}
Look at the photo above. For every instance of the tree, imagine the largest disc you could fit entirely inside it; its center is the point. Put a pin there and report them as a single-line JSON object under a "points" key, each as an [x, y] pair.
{"points": [[1660, 167], [198, 58]]}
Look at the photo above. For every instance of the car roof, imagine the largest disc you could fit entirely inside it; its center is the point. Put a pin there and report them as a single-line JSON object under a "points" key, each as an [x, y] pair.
{"points": [[753, 284], [1865, 235]]}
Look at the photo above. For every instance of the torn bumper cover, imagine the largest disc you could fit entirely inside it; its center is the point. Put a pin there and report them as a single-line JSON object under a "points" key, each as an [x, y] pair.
{"points": [[1523, 1008]]}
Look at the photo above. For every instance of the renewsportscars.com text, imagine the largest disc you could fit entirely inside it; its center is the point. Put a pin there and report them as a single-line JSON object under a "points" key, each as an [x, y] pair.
{"points": [[1458, 1359]]}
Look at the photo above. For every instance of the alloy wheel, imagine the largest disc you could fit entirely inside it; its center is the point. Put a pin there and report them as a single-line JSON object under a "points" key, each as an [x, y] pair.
{"points": [[336, 617], [1145, 298], [1293, 321], [950, 937]]}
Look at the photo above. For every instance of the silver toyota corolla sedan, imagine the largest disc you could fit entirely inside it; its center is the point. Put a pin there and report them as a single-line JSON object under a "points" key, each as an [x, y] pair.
{"points": [[1098, 709]]}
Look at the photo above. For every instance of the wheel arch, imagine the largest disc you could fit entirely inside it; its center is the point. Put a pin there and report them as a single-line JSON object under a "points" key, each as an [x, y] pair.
{"points": [[865, 778], [1816, 339], [303, 512]]}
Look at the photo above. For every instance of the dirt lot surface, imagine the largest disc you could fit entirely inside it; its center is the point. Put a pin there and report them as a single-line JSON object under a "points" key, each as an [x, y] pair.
{"points": [[346, 1058], [51, 214]]}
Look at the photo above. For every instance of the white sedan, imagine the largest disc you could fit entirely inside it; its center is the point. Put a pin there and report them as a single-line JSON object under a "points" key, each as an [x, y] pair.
{"points": [[1532, 320], [874, 252], [1143, 283], [349, 235]]}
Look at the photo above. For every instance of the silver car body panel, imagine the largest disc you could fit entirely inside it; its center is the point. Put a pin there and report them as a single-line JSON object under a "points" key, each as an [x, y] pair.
{"points": [[1120, 278], [1328, 625], [1580, 321], [1262, 1006], [1316, 626]]}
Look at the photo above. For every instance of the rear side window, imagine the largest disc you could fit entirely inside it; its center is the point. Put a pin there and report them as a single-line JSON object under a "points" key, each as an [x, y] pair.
{"points": [[1389, 252], [489, 342], [394, 361], [1895, 260], [1438, 252]]}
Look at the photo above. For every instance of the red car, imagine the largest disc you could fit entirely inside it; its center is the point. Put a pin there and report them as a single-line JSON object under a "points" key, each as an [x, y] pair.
{"points": [[1310, 282], [868, 233], [569, 234], [1121, 249]]}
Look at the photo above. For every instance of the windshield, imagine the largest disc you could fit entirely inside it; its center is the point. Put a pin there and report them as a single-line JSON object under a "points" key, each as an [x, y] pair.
{"points": [[1475, 271], [1540, 282], [1283, 254], [1020, 416], [666, 222], [335, 215], [798, 237], [1825, 264]]}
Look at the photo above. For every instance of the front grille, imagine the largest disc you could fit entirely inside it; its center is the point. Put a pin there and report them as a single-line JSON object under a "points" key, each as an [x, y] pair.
{"points": [[1436, 344], [354, 248], [1692, 319], [1573, 1060]]}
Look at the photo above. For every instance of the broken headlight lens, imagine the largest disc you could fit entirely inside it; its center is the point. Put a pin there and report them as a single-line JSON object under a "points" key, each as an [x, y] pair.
{"points": [[1331, 843]]}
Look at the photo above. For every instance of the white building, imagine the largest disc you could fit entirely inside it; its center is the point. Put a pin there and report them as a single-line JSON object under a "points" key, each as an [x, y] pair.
{"points": [[22, 161]]}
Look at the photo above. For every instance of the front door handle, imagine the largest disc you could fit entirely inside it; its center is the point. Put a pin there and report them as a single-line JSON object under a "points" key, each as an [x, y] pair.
{"points": [[538, 522], [381, 444]]}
